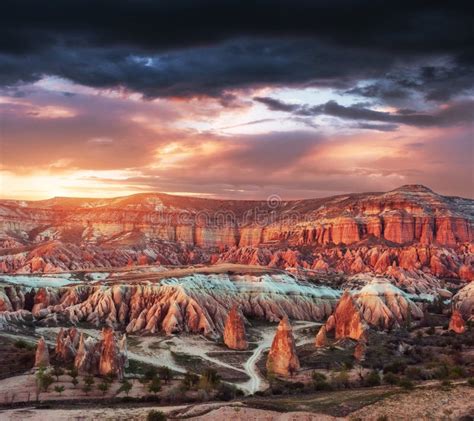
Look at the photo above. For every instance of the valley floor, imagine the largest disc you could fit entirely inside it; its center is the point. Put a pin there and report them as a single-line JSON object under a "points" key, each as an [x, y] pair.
{"points": [[423, 403]]}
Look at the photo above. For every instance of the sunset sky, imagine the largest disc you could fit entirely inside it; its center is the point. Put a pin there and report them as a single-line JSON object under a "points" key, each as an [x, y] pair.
{"points": [[228, 99]]}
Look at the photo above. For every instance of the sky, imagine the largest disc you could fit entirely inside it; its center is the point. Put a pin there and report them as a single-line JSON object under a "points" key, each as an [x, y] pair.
{"points": [[235, 99]]}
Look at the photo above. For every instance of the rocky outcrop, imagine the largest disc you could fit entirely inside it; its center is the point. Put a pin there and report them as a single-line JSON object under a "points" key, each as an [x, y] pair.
{"points": [[360, 350], [196, 304], [378, 304], [63, 234], [384, 306], [282, 359], [66, 344], [463, 301], [111, 360], [321, 338], [42, 354], [457, 323], [88, 354], [234, 330], [347, 320], [104, 356]]}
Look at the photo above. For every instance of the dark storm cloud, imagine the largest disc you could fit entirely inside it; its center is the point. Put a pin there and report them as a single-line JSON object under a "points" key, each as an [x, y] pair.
{"points": [[457, 113], [209, 46]]}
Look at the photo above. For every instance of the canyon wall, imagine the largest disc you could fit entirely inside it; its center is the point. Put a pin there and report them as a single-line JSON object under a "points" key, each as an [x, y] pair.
{"points": [[411, 226]]}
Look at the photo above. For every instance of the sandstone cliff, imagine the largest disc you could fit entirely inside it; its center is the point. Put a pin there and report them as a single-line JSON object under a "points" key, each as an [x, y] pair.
{"points": [[70, 234]]}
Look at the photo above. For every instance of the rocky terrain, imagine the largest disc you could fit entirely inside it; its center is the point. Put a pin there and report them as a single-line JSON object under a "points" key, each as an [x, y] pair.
{"points": [[408, 233], [197, 303]]}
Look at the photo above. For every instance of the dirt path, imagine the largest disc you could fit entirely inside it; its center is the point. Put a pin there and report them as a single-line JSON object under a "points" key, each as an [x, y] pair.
{"points": [[257, 382]]}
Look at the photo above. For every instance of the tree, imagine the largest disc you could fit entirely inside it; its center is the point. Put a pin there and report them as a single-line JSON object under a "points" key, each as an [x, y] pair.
{"points": [[373, 379], [73, 373], [104, 387], [155, 385], [74, 382], [190, 380], [59, 389], [88, 382], [43, 381], [110, 377], [209, 379], [86, 388], [125, 387], [57, 371], [150, 373], [165, 374]]}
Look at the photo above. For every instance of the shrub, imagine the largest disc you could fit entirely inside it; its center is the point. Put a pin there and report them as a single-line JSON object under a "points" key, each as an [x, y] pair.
{"points": [[446, 384], [391, 378], [414, 373], [57, 371], [457, 372], [226, 392], [125, 387], [59, 389], [104, 387], [373, 379], [396, 367], [155, 416], [155, 385], [165, 374], [470, 381], [406, 384], [190, 380], [209, 379]]}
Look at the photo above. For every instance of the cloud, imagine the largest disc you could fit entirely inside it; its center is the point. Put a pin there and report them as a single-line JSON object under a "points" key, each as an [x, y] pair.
{"points": [[207, 47], [457, 113]]}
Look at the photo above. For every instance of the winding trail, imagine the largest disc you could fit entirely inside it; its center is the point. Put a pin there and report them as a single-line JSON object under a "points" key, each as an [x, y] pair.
{"points": [[257, 382]]}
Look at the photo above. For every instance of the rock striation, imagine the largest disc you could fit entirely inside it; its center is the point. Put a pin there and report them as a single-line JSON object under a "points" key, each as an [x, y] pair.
{"points": [[66, 344], [42, 354], [282, 359], [197, 303], [378, 304], [347, 320], [463, 302], [102, 356], [234, 330], [419, 230]]}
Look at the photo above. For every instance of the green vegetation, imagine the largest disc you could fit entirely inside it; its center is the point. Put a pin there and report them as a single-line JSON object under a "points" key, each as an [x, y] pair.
{"points": [[59, 389], [156, 416], [155, 385], [125, 387]]}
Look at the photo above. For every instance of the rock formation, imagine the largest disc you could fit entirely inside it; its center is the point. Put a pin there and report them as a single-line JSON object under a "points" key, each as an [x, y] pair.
{"points": [[359, 350], [197, 303], [66, 344], [378, 304], [111, 359], [411, 227], [463, 301], [321, 338], [347, 319], [42, 354], [457, 323], [282, 359], [234, 330]]}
